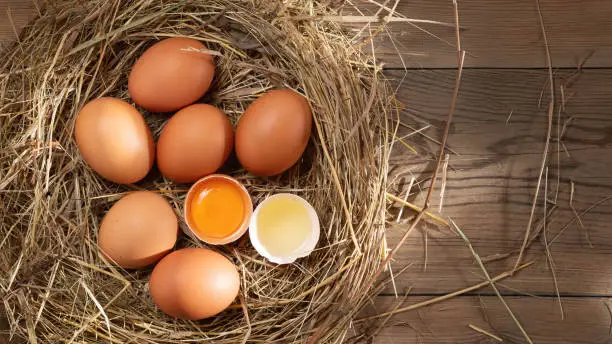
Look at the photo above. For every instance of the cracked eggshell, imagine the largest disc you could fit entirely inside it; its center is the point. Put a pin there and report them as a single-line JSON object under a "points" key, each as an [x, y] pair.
{"points": [[307, 246]]}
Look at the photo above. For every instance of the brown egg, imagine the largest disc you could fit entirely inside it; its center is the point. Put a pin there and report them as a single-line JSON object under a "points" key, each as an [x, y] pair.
{"points": [[171, 74], [194, 143], [273, 132], [138, 230], [114, 139], [194, 283]]}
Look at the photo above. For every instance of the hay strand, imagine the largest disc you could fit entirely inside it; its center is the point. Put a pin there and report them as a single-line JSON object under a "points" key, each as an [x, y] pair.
{"points": [[551, 109], [446, 297], [417, 209], [490, 281], [549, 256], [485, 332]]}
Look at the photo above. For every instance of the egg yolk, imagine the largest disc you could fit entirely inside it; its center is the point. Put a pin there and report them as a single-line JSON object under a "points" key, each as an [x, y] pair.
{"points": [[217, 209]]}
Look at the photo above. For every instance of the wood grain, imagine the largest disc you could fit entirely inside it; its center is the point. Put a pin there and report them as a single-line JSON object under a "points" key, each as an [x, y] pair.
{"points": [[502, 34], [492, 178], [586, 321]]}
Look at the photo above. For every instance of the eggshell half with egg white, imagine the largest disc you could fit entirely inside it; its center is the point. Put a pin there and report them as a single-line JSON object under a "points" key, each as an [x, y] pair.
{"points": [[284, 228]]}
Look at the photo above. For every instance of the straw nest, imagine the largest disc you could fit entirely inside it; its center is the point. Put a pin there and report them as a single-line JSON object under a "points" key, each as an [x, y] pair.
{"points": [[56, 287]]}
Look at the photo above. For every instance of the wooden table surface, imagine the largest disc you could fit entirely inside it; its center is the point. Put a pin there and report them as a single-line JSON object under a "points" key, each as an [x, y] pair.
{"points": [[497, 139]]}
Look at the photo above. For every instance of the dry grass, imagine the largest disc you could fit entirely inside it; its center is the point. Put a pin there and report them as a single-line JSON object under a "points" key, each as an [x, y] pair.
{"points": [[56, 287], [478, 260], [485, 332]]}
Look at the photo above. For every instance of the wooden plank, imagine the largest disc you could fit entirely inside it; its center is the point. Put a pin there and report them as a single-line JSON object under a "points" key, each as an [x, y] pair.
{"points": [[497, 34], [492, 181], [14, 15], [586, 321], [502, 33]]}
